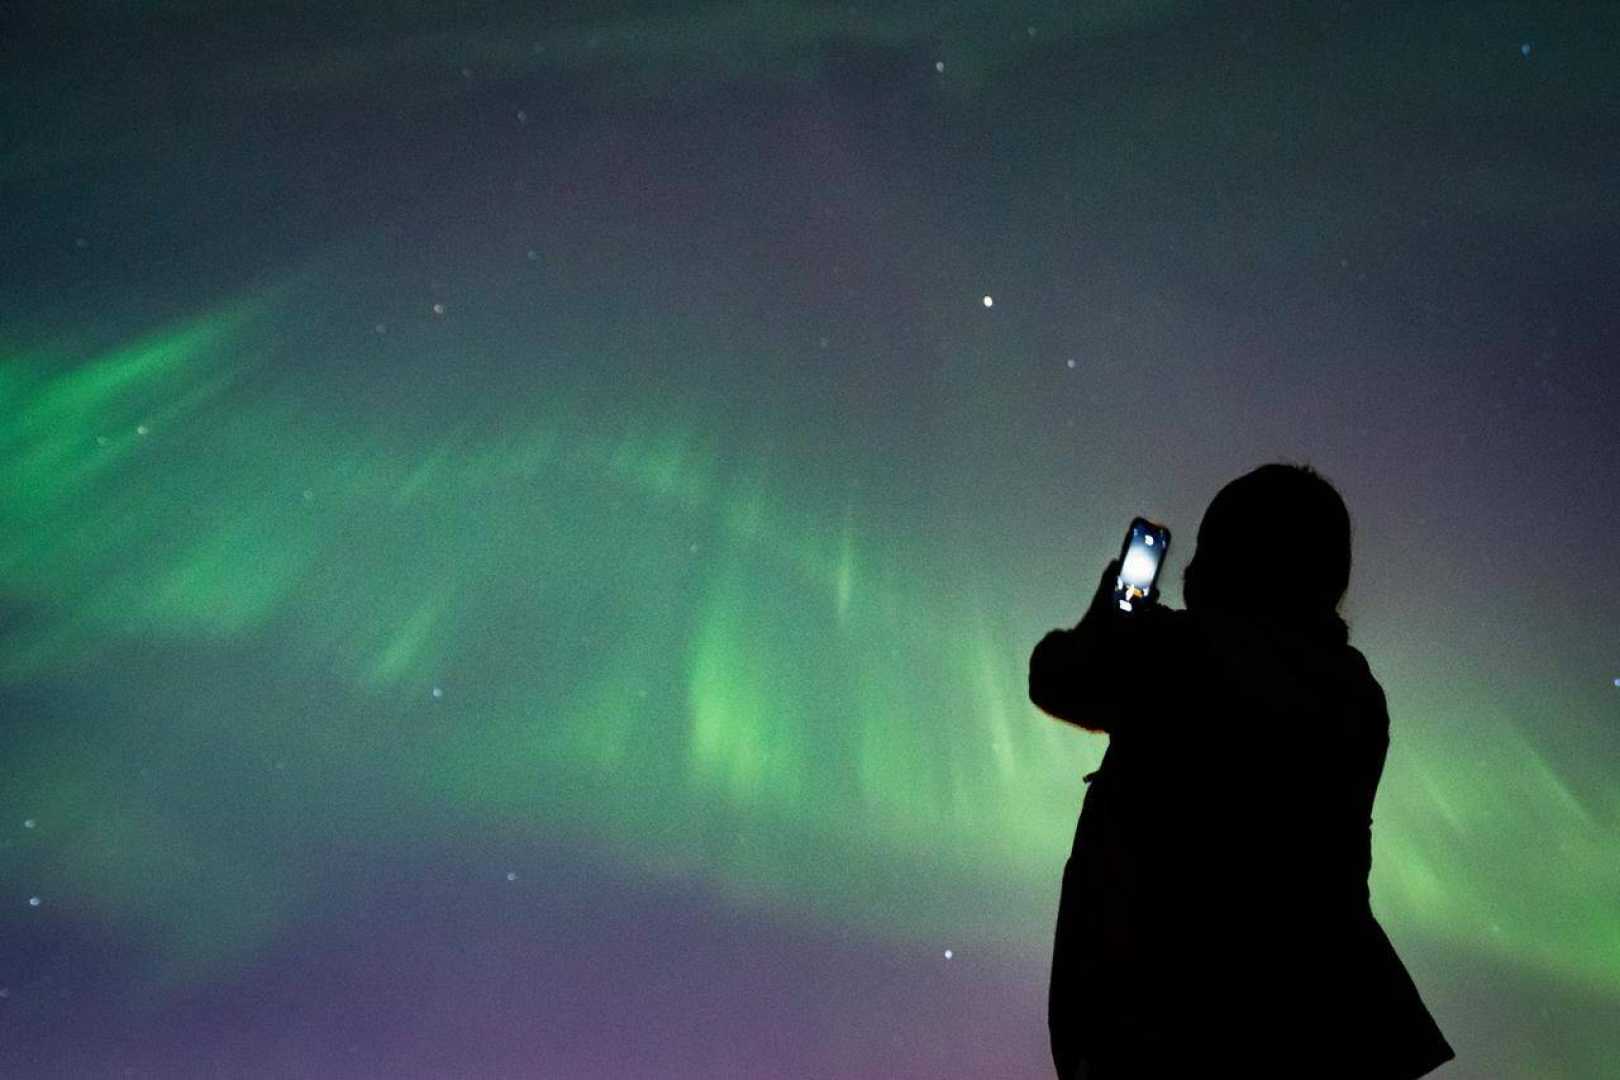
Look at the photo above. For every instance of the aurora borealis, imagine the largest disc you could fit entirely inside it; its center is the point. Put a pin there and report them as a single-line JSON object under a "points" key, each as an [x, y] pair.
{"points": [[520, 536]]}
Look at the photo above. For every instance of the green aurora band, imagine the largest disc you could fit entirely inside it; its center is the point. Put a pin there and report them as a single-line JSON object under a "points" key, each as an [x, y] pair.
{"points": [[610, 628]]}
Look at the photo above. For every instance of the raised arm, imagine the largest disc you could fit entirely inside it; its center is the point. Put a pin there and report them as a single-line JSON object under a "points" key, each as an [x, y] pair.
{"points": [[1088, 674]]}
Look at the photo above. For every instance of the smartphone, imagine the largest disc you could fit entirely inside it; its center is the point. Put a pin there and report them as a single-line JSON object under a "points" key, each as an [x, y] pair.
{"points": [[1140, 560]]}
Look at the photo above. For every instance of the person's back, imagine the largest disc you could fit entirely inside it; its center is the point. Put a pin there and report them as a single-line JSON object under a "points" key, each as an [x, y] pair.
{"points": [[1215, 909]]}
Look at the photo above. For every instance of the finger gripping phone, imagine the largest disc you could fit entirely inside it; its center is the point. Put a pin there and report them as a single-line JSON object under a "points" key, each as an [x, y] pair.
{"points": [[1140, 560]]}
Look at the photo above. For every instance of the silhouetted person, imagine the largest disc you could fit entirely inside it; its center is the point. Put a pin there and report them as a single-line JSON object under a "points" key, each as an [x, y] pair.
{"points": [[1215, 916]]}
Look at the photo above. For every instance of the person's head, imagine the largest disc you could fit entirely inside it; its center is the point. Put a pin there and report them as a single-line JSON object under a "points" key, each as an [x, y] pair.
{"points": [[1275, 540]]}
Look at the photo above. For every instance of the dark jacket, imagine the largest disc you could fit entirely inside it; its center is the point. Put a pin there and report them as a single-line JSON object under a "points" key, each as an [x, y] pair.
{"points": [[1215, 910]]}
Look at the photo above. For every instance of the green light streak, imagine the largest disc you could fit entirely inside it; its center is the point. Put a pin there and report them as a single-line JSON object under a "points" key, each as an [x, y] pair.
{"points": [[1494, 853], [747, 700]]}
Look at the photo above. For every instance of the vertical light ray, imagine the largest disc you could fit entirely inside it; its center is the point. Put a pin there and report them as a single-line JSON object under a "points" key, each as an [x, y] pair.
{"points": [[844, 583], [746, 696]]}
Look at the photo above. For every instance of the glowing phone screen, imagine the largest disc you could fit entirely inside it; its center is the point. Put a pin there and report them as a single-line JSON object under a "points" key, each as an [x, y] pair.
{"points": [[1145, 548]]}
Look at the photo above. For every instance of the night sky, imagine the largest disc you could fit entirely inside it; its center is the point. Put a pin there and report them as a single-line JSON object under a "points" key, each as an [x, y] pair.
{"points": [[521, 533]]}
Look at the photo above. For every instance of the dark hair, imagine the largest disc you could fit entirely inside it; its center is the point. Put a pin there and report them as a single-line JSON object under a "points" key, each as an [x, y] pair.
{"points": [[1275, 540]]}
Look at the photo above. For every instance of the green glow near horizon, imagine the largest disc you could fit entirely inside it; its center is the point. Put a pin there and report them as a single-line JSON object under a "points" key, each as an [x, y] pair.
{"points": [[650, 641]]}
